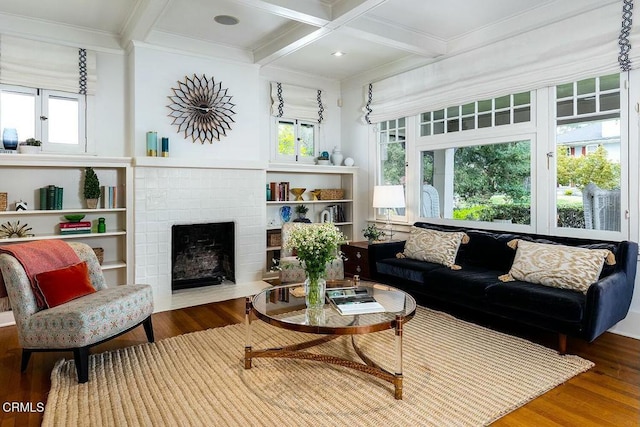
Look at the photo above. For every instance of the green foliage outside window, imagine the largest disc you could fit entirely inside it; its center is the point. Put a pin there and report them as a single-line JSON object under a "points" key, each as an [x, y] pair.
{"points": [[481, 172], [582, 170], [393, 163]]}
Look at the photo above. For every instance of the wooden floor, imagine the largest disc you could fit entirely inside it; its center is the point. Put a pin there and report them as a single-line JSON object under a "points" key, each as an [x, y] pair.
{"points": [[607, 395]]}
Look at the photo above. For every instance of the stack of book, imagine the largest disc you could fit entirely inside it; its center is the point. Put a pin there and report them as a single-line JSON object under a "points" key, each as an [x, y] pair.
{"points": [[109, 197], [51, 197], [350, 301], [278, 191], [81, 227]]}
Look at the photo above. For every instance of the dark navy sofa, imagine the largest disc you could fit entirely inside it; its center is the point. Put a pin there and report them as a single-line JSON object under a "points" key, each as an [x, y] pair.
{"points": [[476, 285]]}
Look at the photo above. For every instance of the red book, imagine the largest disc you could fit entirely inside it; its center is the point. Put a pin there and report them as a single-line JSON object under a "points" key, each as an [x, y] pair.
{"points": [[75, 224]]}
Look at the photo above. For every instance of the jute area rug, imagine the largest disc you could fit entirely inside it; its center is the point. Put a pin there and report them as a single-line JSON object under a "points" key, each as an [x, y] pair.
{"points": [[455, 374]]}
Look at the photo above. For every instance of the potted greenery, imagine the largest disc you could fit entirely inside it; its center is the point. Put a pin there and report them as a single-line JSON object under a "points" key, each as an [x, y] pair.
{"points": [[323, 158], [30, 146], [372, 233], [91, 187], [301, 210]]}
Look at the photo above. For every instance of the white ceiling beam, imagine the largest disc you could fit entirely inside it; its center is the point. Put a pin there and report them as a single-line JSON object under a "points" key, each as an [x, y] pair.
{"points": [[383, 33], [300, 36], [140, 23], [311, 12], [348, 10]]}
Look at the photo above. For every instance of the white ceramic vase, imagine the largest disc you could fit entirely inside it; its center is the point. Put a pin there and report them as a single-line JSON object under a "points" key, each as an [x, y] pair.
{"points": [[336, 157]]}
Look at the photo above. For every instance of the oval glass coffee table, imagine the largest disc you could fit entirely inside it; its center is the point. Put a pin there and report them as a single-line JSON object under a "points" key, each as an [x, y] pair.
{"points": [[284, 307]]}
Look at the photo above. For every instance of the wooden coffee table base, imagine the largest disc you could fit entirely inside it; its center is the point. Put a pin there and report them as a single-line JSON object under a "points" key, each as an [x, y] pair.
{"points": [[295, 352]]}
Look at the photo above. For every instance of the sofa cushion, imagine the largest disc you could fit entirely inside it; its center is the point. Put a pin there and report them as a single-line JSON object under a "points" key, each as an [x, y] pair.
{"points": [[560, 304], [488, 249], [64, 284], [433, 246], [470, 281], [405, 268], [558, 266]]}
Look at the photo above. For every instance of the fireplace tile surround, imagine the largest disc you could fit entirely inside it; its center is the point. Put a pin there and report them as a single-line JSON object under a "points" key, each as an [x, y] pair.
{"points": [[165, 196]]}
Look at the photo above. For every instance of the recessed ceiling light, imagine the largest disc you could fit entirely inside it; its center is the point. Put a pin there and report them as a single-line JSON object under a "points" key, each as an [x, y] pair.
{"points": [[338, 53], [226, 20]]}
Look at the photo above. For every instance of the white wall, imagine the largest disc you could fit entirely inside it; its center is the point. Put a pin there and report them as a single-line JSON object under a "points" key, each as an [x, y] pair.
{"points": [[156, 71], [108, 123]]}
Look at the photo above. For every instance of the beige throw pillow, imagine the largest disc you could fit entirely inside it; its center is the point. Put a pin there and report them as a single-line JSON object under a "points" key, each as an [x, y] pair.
{"points": [[558, 266], [439, 247]]}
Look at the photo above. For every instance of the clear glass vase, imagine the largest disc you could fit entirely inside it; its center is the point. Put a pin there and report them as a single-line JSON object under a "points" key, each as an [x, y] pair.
{"points": [[314, 292]]}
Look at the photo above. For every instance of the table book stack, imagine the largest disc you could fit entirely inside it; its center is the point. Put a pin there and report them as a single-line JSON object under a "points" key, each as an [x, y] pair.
{"points": [[350, 301], [81, 227]]}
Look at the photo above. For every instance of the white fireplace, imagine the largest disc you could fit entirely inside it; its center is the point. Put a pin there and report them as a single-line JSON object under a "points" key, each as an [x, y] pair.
{"points": [[183, 193]]}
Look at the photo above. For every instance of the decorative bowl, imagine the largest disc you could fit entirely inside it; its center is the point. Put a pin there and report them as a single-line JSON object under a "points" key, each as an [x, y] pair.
{"points": [[298, 193], [74, 217]]}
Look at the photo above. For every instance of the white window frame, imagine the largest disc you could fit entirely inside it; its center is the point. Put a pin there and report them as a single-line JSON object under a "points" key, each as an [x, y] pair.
{"points": [[296, 157], [409, 126], [42, 97], [541, 132], [551, 224], [81, 146]]}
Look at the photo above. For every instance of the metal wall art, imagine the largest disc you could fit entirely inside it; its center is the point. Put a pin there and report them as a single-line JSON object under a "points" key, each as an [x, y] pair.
{"points": [[201, 108]]}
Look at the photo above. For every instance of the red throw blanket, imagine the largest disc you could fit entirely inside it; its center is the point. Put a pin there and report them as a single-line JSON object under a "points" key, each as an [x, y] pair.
{"points": [[37, 257]]}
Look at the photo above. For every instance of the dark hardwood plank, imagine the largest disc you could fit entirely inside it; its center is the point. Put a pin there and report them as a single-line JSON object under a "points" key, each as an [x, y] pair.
{"points": [[607, 395]]}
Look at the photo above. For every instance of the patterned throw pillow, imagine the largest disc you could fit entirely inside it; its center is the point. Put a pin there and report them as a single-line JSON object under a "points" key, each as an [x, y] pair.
{"points": [[439, 247], [558, 266]]}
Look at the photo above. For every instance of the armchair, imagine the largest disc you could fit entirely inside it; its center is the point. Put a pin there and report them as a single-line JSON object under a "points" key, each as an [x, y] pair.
{"points": [[601, 208], [290, 269], [80, 323]]}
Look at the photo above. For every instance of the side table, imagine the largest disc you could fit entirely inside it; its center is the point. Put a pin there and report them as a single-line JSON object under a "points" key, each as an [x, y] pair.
{"points": [[357, 262]]}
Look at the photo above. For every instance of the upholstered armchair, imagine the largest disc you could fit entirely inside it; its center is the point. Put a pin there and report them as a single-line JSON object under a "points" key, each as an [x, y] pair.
{"points": [[80, 323], [290, 269]]}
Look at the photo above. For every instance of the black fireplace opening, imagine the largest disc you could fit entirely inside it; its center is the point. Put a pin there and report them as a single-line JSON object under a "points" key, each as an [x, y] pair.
{"points": [[202, 254]]}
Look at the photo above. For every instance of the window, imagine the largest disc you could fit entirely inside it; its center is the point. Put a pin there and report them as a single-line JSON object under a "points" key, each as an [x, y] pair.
{"points": [[488, 182], [392, 158], [565, 174], [508, 109], [296, 141], [55, 118], [588, 147]]}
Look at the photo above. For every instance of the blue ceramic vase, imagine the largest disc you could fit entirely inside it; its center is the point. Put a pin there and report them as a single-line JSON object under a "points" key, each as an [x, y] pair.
{"points": [[10, 138]]}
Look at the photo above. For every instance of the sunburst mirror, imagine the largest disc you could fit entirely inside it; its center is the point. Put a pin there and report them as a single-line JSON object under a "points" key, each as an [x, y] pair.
{"points": [[201, 109]]}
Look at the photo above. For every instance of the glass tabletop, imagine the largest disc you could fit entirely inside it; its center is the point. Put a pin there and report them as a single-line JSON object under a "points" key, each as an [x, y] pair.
{"points": [[284, 306]]}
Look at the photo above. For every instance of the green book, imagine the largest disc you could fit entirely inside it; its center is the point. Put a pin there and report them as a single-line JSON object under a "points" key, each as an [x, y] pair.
{"points": [[51, 197], [59, 193], [43, 198]]}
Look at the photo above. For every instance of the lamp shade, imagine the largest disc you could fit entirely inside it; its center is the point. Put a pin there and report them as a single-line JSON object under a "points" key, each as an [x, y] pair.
{"points": [[388, 196]]}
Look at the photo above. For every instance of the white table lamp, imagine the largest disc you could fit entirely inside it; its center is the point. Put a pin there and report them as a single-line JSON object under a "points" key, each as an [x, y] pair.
{"points": [[388, 197]]}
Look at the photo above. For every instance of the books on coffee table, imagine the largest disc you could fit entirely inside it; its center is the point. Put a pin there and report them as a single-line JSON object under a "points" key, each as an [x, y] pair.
{"points": [[352, 301]]}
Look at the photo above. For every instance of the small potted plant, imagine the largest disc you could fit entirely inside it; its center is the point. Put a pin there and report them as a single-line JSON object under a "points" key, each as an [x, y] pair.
{"points": [[301, 210], [30, 146], [372, 233], [91, 188], [323, 158]]}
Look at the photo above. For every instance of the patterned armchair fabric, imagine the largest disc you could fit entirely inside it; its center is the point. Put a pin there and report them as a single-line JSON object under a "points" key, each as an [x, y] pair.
{"points": [[80, 323], [290, 269]]}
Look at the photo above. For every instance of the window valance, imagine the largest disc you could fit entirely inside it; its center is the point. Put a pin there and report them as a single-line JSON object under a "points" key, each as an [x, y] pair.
{"points": [[295, 102], [579, 47], [47, 66]]}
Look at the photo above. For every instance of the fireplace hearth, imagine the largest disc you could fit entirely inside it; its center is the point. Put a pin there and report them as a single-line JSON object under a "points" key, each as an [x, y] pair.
{"points": [[202, 254]]}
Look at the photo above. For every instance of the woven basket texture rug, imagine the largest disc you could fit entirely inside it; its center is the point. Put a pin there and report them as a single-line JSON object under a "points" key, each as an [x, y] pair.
{"points": [[455, 374]]}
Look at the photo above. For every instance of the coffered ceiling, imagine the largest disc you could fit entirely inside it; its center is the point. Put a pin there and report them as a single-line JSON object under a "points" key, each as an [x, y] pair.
{"points": [[298, 35]]}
